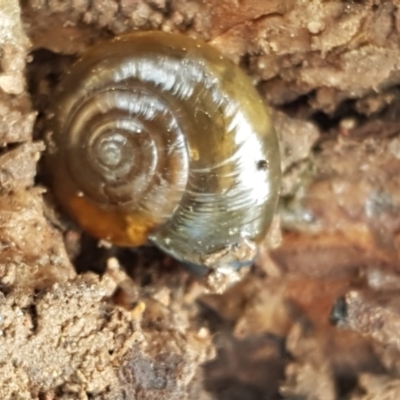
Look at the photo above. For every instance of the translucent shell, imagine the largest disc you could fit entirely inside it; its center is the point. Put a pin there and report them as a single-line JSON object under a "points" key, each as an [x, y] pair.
{"points": [[158, 137]]}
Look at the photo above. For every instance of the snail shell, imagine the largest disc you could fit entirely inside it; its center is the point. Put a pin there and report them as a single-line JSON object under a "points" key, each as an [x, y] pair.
{"points": [[157, 136]]}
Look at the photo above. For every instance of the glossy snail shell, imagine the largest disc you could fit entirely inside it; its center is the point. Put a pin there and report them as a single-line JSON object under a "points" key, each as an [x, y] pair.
{"points": [[157, 136]]}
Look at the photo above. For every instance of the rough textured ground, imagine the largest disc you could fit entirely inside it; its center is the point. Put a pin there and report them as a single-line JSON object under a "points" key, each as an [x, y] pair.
{"points": [[316, 317]]}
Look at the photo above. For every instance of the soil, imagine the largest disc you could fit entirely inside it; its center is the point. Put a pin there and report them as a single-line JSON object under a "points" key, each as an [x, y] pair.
{"points": [[315, 317]]}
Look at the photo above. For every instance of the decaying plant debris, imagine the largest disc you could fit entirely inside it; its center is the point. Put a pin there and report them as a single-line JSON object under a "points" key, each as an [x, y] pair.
{"points": [[316, 317]]}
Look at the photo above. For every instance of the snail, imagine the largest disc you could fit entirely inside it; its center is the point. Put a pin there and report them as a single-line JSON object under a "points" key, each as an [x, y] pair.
{"points": [[157, 137]]}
